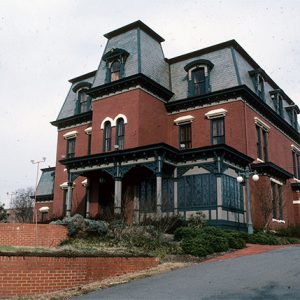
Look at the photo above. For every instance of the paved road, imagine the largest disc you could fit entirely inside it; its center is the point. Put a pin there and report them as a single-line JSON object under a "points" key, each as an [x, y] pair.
{"points": [[272, 275]]}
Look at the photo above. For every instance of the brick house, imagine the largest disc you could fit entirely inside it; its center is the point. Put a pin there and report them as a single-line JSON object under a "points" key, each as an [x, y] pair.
{"points": [[144, 135]]}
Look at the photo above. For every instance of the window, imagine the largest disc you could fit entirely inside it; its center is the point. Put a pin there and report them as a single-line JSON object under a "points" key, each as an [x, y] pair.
{"points": [[107, 137], [262, 143], [115, 64], [120, 133], [262, 130], [115, 70], [296, 164], [293, 117], [89, 144], [217, 131], [71, 147], [84, 101], [44, 216], [257, 77], [277, 201], [260, 88], [198, 77], [185, 136]]}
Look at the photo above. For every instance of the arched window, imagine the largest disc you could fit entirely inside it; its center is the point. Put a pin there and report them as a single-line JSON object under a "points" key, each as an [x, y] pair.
{"points": [[120, 133], [198, 78], [260, 87], [107, 137], [115, 70]]}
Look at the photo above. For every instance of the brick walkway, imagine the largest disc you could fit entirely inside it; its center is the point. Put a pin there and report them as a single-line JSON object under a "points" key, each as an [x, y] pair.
{"points": [[251, 249]]}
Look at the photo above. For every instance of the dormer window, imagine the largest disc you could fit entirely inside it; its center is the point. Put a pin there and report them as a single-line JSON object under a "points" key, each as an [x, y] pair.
{"points": [[115, 64], [115, 70], [293, 111], [260, 88], [258, 82], [277, 98], [83, 100], [198, 77]]}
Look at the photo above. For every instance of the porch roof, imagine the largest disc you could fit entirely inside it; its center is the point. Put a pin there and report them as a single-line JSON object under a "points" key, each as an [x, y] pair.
{"points": [[168, 152], [271, 169]]}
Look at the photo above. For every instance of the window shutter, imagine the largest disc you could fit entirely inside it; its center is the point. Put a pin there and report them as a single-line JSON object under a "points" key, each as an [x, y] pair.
{"points": [[190, 88], [122, 71], [77, 107], [108, 75], [89, 103], [207, 85]]}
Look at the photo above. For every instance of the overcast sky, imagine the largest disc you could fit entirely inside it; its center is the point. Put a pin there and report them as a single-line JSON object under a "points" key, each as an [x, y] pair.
{"points": [[43, 44]]}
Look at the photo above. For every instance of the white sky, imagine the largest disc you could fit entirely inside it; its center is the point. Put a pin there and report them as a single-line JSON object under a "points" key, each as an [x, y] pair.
{"points": [[44, 43]]}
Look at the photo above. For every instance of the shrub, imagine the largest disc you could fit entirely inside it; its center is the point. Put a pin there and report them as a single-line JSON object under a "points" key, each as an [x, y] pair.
{"points": [[291, 231], [185, 233], [165, 224], [217, 243], [197, 220], [78, 225], [196, 246], [263, 238]]}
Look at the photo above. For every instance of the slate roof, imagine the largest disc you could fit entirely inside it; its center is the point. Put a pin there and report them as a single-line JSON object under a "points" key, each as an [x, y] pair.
{"points": [[46, 183]]}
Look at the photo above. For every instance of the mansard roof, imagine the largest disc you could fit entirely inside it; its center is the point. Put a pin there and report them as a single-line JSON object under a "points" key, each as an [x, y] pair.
{"points": [[45, 188]]}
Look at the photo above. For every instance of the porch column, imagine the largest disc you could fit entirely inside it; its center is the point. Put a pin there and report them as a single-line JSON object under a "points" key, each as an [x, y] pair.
{"points": [[159, 185], [118, 195], [87, 213], [69, 194], [175, 191], [118, 191], [219, 191]]}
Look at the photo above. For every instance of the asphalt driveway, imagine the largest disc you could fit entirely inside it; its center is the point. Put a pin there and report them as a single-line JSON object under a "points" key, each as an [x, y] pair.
{"points": [[272, 275]]}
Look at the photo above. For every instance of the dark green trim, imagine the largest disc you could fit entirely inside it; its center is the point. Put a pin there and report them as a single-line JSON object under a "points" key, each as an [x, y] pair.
{"points": [[268, 168], [136, 24], [84, 76], [73, 120], [236, 66], [168, 152], [131, 81], [239, 91], [196, 62], [139, 50]]}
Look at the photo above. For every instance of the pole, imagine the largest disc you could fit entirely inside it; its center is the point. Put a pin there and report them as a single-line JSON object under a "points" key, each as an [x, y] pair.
{"points": [[35, 214], [249, 224]]}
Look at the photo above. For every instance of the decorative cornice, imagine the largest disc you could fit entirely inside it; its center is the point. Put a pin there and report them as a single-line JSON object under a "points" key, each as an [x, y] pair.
{"points": [[271, 169], [131, 81], [73, 120]]}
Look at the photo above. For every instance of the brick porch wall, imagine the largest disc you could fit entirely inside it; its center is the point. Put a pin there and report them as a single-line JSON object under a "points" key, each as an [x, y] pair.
{"points": [[24, 235]]}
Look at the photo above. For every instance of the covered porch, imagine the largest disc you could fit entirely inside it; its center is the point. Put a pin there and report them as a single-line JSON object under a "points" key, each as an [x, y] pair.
{"points": [[159, 180]]}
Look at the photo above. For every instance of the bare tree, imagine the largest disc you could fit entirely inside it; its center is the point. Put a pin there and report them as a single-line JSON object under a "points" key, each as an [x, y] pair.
{"points": [[3, 214], [267, 201], [22, 203]]}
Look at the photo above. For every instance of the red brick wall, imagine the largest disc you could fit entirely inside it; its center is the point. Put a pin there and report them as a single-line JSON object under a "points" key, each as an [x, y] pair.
{"points": [[36, 275], [24, 235]]}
